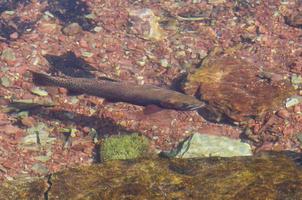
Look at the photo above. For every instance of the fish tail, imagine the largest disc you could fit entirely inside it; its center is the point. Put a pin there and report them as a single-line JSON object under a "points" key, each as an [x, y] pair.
{"points": [[43, 79]]}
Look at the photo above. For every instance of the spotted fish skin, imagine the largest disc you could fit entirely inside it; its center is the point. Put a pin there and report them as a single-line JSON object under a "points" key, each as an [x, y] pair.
{"points": [[117, 91]]}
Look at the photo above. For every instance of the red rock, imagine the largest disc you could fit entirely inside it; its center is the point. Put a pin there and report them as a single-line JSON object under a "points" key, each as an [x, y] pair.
{"points": [[297, 109], [283, 114], [62, 90], [83, 43], [28, 121], [86, 130], [62, 38], [10, 129]]}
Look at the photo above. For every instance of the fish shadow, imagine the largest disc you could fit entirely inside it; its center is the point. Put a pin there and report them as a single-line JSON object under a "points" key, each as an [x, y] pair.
{"points": [[71, 11], [103, 125], [70, 65]]}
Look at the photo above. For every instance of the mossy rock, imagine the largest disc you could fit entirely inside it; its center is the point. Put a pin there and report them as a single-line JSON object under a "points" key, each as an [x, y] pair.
{"points": [[124, 147], [270, 177]]}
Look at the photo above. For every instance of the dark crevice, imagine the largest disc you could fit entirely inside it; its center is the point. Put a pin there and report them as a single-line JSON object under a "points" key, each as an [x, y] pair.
{"points": [[49, 187], [97, 153], [12, 4]]}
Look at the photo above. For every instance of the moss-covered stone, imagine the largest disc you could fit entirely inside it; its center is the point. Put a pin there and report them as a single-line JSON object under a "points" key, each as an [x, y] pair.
{"points": [[24, 188], [270, 177], [124, 147]]}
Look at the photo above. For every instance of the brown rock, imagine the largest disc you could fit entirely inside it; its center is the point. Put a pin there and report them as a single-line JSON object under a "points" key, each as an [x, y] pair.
{"points": [[235, 87], [271, 176], [294, 20], [28, 121], [283, 113], [48, 28], [72, 29]]}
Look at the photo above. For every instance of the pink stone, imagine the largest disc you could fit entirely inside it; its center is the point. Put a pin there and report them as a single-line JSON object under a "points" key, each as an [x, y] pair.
{"points": [[14, 35], [83, 43]]}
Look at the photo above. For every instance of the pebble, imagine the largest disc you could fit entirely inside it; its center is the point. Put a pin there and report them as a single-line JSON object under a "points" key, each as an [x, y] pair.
{"points": [[283, 113], [40, 169], [8, 55], [5, 81], [98, 29], [42, 158], [48, 27], [297, 109], [86, 129], [28, 121], [299, 137], [14, 35], [38, 91], [164, 63], [83, 43], [62, 90], [72, 29], [87, 54], [292, 101]]}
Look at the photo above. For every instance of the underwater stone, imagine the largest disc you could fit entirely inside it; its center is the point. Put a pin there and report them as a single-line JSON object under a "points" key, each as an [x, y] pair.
{"points": [[292, 101], [40, 169], [5, 81], [37, 135], [8, 55], [72, 29], [271, 175], [239, 98], [38, 91], [201, 145]]}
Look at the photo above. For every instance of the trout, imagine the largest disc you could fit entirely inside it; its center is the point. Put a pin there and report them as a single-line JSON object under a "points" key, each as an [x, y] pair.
{"points": [[118, 91]]}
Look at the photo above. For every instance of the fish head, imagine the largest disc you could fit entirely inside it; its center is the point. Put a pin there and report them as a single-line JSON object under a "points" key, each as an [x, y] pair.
{"points": [[183, 102]]}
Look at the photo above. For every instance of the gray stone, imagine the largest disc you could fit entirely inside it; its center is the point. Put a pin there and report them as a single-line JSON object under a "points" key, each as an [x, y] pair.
{"points": [[201, 145], [8, 55]]}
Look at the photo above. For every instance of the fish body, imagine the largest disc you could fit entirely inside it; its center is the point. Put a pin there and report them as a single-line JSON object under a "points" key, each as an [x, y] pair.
{"points": [[118, 91]]}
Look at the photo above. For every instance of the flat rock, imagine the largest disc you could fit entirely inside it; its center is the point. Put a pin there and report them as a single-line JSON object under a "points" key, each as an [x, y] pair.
{"points": [[202, 145]]}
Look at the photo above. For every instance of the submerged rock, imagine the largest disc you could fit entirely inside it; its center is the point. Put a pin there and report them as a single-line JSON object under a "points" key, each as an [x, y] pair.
{"points": [[40, 92], [8, 55], [37, 136], [236, 88], [201, 145], [24, 188], [292, 101], [146, 24], [294, 20], [72, 29], [27, 104], [273, 176]]}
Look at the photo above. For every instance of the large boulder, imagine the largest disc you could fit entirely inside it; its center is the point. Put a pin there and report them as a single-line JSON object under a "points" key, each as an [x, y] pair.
{"points": [[271, 176]]}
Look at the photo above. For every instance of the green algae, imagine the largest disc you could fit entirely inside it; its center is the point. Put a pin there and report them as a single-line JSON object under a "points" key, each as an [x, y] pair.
{"points": [[124, 147]]}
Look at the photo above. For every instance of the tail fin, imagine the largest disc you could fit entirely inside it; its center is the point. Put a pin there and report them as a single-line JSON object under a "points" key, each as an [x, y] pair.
{"points": [[42, 79]]}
